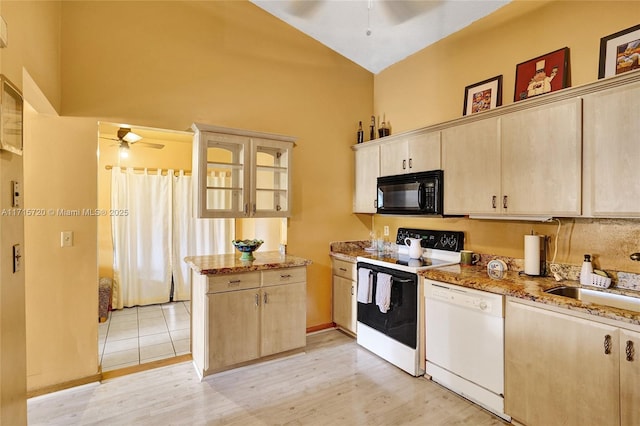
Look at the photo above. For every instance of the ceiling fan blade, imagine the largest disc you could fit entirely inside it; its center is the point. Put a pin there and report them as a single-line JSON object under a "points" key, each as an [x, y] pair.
{"points": [[399, 11], [148, 145], [110, 139], [304, 8]]}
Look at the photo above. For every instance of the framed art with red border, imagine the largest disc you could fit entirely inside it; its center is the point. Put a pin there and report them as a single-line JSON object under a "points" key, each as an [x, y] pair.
{"points": [[544, 74]]}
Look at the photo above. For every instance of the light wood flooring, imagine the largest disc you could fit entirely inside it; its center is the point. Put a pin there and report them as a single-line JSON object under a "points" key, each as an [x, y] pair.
{"points": [[335, 382]]}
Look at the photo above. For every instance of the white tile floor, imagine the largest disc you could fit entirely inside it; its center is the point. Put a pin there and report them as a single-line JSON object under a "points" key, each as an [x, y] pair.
{"points": [[133, 336]]}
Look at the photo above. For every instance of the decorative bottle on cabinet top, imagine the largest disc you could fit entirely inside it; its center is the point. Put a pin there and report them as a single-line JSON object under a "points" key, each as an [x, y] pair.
{"points": [[360, 132], [587, 269]]}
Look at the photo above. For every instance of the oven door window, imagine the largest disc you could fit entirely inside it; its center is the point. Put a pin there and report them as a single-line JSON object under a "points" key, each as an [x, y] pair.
{"points": [[400, 321]]}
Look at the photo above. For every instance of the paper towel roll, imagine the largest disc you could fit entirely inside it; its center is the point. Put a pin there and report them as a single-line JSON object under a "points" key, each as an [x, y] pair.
{"points": [[532, 254]]}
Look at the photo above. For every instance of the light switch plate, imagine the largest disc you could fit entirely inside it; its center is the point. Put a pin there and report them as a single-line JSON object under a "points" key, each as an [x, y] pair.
{"points": [[386, 231], [17, 255], [66, 238]]}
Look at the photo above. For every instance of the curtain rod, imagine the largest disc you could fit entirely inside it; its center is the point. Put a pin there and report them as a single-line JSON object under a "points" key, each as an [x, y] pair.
{"points": [[149, 169]]}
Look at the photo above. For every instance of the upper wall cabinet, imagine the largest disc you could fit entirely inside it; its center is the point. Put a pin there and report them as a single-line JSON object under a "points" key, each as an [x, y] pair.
{"points": [[419, 152], [612, 152], [541, 160], [241, 173], [472, 168], [367, 164], [525, 163]]}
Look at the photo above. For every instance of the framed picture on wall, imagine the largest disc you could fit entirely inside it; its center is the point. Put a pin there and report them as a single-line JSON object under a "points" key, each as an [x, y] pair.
{"points": [[544, 74], [11, 114], [620, 52], [483, 96]]}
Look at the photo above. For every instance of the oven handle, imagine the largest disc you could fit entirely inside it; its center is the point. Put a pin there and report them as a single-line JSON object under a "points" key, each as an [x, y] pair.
{"points": [[395, 280]]}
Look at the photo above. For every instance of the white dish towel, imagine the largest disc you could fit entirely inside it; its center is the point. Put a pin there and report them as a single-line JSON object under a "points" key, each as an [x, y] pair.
{"points": [[365, 285], [383, 292]]}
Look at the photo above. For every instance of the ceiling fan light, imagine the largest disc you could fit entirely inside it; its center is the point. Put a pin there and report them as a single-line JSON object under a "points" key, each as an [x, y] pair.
{"points": [[124, 149]]}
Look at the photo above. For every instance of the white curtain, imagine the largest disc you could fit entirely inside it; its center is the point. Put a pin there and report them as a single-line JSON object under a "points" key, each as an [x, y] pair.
{"points": [[195, 237], [142, 238]]}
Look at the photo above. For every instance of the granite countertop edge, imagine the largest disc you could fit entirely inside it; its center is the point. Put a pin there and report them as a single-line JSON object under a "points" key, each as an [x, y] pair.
{"points": [[219, 264], [512, 284]]}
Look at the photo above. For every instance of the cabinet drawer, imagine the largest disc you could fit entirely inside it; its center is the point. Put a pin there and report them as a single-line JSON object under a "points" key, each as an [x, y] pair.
{"points": [[231, 282], [284, 276], [344, 269]]}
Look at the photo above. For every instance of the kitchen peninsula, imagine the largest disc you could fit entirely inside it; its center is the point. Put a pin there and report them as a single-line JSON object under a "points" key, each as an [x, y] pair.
{"points": [[246, 311]]}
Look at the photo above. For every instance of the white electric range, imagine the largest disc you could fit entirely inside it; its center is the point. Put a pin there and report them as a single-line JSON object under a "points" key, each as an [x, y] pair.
{"points": [[390, 297]]}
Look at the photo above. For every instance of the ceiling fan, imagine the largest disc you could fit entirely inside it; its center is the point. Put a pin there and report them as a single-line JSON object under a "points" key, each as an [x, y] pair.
{"points": [[126, 138]]}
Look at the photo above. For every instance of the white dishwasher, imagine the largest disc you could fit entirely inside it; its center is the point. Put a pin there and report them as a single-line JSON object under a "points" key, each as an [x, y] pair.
{"points": [[465, 342]]}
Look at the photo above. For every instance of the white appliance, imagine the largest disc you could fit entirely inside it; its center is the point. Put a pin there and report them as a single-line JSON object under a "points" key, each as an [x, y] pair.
{"points": [[397, 335], [465, 343]]}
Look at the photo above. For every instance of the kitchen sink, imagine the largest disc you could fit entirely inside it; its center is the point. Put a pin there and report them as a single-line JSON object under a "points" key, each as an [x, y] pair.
{"points": [[601, 298]]}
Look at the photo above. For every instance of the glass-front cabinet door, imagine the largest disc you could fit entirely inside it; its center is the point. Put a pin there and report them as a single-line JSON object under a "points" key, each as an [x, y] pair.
{"points": [[241, 173], [225, 183], [272, 178]]}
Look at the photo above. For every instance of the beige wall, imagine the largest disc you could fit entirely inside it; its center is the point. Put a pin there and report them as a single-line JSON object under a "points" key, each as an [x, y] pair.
{"points": [[428, 88]]}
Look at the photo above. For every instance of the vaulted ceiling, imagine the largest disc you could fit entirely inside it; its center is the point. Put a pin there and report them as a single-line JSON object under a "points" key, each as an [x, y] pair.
{"points": [[375, 34]]}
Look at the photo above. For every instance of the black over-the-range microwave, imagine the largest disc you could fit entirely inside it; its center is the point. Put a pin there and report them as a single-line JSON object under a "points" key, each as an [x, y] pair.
{"points": [[411, 194]]}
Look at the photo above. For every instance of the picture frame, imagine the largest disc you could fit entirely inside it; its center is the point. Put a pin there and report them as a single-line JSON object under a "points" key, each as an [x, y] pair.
{"points": [[544, 74], [11, 117], [620, 52], [483, 96]]}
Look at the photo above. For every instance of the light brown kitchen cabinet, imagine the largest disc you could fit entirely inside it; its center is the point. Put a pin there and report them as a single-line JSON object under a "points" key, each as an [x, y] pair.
{"points": [[561, 369], [612, 152], [345, 305], [367, 170], [541, 150], [472, 168], [241, 173], [283, 316], [412, 153], [522, 163], [629, 378], [244, 317]]}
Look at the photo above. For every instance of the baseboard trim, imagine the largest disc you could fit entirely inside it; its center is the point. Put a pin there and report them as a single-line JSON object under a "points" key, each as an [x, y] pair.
{"points": [[65, 385], [320, 327]]}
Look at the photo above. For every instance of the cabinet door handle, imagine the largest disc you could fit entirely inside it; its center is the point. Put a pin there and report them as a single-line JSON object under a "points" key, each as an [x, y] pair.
{"points": [[352, 290], [410, 163], [504, 202], [246, 209], [254, 209], [257, 299], [375, 204], [265, 297], [629, 350], [607, 344], [234, 283], [404, 164], [285, 276], [343, 269], [494, 201]]}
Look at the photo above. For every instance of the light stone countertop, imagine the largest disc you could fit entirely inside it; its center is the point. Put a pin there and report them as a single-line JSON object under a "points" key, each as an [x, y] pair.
{"points": [[230, 263], [512, 283]]}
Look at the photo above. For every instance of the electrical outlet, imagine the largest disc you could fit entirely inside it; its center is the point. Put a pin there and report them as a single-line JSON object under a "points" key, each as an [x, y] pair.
{"points": [[66, 239], [386, 231]]}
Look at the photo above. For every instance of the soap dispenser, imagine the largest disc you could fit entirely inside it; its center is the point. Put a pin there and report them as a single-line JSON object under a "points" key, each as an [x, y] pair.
{"points": [[585, 272]]}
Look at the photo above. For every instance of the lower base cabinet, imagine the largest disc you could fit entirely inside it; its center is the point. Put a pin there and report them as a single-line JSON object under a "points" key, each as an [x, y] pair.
{"points": [[561, 369], [239, 318], [345, 304]]}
